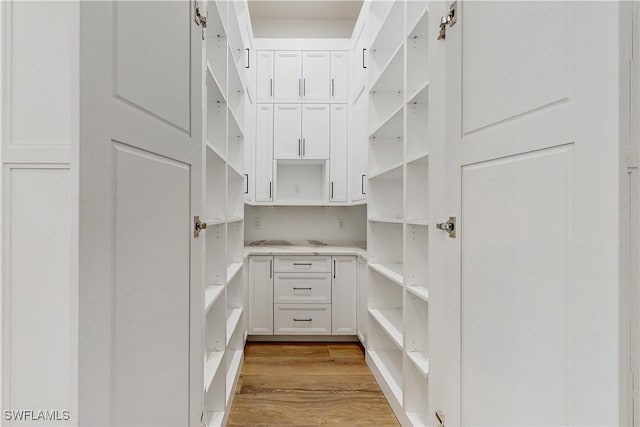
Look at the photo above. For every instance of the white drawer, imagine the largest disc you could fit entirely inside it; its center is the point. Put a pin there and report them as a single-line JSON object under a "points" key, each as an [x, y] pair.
{"points": [[296, 319], [299, 263], [302, 288]]}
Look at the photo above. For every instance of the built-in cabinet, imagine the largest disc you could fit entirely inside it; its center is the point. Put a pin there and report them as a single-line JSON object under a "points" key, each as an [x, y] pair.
{"points": [[264, 153], [287, 76], [338, 153], [302, 295]]}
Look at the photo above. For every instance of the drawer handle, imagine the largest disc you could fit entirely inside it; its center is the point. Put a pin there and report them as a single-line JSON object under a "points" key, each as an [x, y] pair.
{"points": [[301, 289], [302, 263], [301, 320]]}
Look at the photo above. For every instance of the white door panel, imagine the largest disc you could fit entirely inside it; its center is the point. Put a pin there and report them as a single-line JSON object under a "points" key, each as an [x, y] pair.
{"points": [[287, 130], [532, 317], [527, 73], [264, 75], [316, 71], [261, 295], [141, 181], [338, 155], [339, 75], [264, 153], [343, 293], [287, 80], [315, 131]]}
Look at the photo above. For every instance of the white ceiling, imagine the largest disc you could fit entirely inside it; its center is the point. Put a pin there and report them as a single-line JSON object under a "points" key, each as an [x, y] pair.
{"points": [[269, 15]]}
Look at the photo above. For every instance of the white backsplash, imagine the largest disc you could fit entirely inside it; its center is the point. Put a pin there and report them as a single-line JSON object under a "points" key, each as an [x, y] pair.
{"points": [[306, 222]]}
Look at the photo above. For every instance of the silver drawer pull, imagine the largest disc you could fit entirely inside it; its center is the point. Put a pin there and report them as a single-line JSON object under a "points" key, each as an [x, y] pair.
{"points": [[301, 289], [302, 263], [301, 320]]}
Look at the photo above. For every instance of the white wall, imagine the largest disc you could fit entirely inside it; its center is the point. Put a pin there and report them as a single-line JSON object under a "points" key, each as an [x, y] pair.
{"points": [[304, 222]]}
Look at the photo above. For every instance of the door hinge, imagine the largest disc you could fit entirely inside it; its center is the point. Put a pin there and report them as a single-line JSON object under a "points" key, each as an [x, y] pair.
{"points": [[449, 20], [198, 226], [198, 17], [449, 226]]}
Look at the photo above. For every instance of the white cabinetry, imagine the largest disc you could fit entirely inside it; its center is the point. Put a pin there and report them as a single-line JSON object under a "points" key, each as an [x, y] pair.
{"points": [[360, 152], [302, 295], [261, 295], [287, 132], [264, 153], [339, 153], [343, 292], [264, 75], [339, 75], [315, 131], [316, 69], [287, 80]]}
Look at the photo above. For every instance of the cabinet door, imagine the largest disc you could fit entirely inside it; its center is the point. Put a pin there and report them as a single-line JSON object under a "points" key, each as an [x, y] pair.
{"points": [[316, 71], [338, 158], [343, 295], [264, 75], [315, 131], [339, 76], [264, 153], [287, 124], [359, 58], [261, 295], [287, 78], [249, 151], [361, 298], [359, 152]]}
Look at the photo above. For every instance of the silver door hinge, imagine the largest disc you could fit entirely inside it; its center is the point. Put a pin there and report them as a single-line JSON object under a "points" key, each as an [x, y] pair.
{"points": [[449, 20], [198, 17], [449, 226], [198, 226]]}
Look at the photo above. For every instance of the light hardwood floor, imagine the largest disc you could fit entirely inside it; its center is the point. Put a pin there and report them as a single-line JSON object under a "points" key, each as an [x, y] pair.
{"points": [[308, 384]]}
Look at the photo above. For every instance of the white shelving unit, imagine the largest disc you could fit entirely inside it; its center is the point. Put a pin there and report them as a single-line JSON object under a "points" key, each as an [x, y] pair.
{"points": [[224, 288], [398, 225]]}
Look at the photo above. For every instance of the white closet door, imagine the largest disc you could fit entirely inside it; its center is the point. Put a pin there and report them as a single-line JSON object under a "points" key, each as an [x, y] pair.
{"points": [[338, 157], [264, 153], [530, 314], [140, 174], [287, 126], [359, 153], [264, 73], [316, 71], [315, 131], [339, 75], [287, 79]]}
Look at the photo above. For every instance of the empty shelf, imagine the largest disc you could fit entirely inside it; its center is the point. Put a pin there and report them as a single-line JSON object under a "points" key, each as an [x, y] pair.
{"points": [[387, 220], [420, 361], [211, 365], [232, 322], [233, 270], [390, 319], [389, 372], [392, 272], [211, 294], [420, 292]]}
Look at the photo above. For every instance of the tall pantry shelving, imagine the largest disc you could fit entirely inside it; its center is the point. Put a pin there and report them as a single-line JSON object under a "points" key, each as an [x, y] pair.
{"points": [[398, 226], [224, 291]]}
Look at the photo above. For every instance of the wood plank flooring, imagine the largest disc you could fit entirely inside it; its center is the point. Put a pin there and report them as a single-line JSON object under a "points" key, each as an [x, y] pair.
{"points": [[310, 385]]}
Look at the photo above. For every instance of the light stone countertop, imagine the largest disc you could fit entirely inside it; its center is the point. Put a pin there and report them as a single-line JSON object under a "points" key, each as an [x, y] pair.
{"points": [[341, 249]]}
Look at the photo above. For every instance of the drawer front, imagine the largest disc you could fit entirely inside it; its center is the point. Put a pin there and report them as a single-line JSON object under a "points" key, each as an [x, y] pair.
{"points": [[296, 319], [292, 264], [302, 288]]}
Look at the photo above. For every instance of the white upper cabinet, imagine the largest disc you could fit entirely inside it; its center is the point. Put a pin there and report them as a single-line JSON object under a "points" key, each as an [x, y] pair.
{"points": [[316, 68], [338, 163], [339, 75], [359, 144], [264, 153], [287, 79], [315, 131], [264, 65], [359, 58], [287, 131]]}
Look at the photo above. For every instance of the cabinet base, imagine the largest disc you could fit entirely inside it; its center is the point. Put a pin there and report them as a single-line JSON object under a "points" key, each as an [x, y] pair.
{"points": [[303, 338]]}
